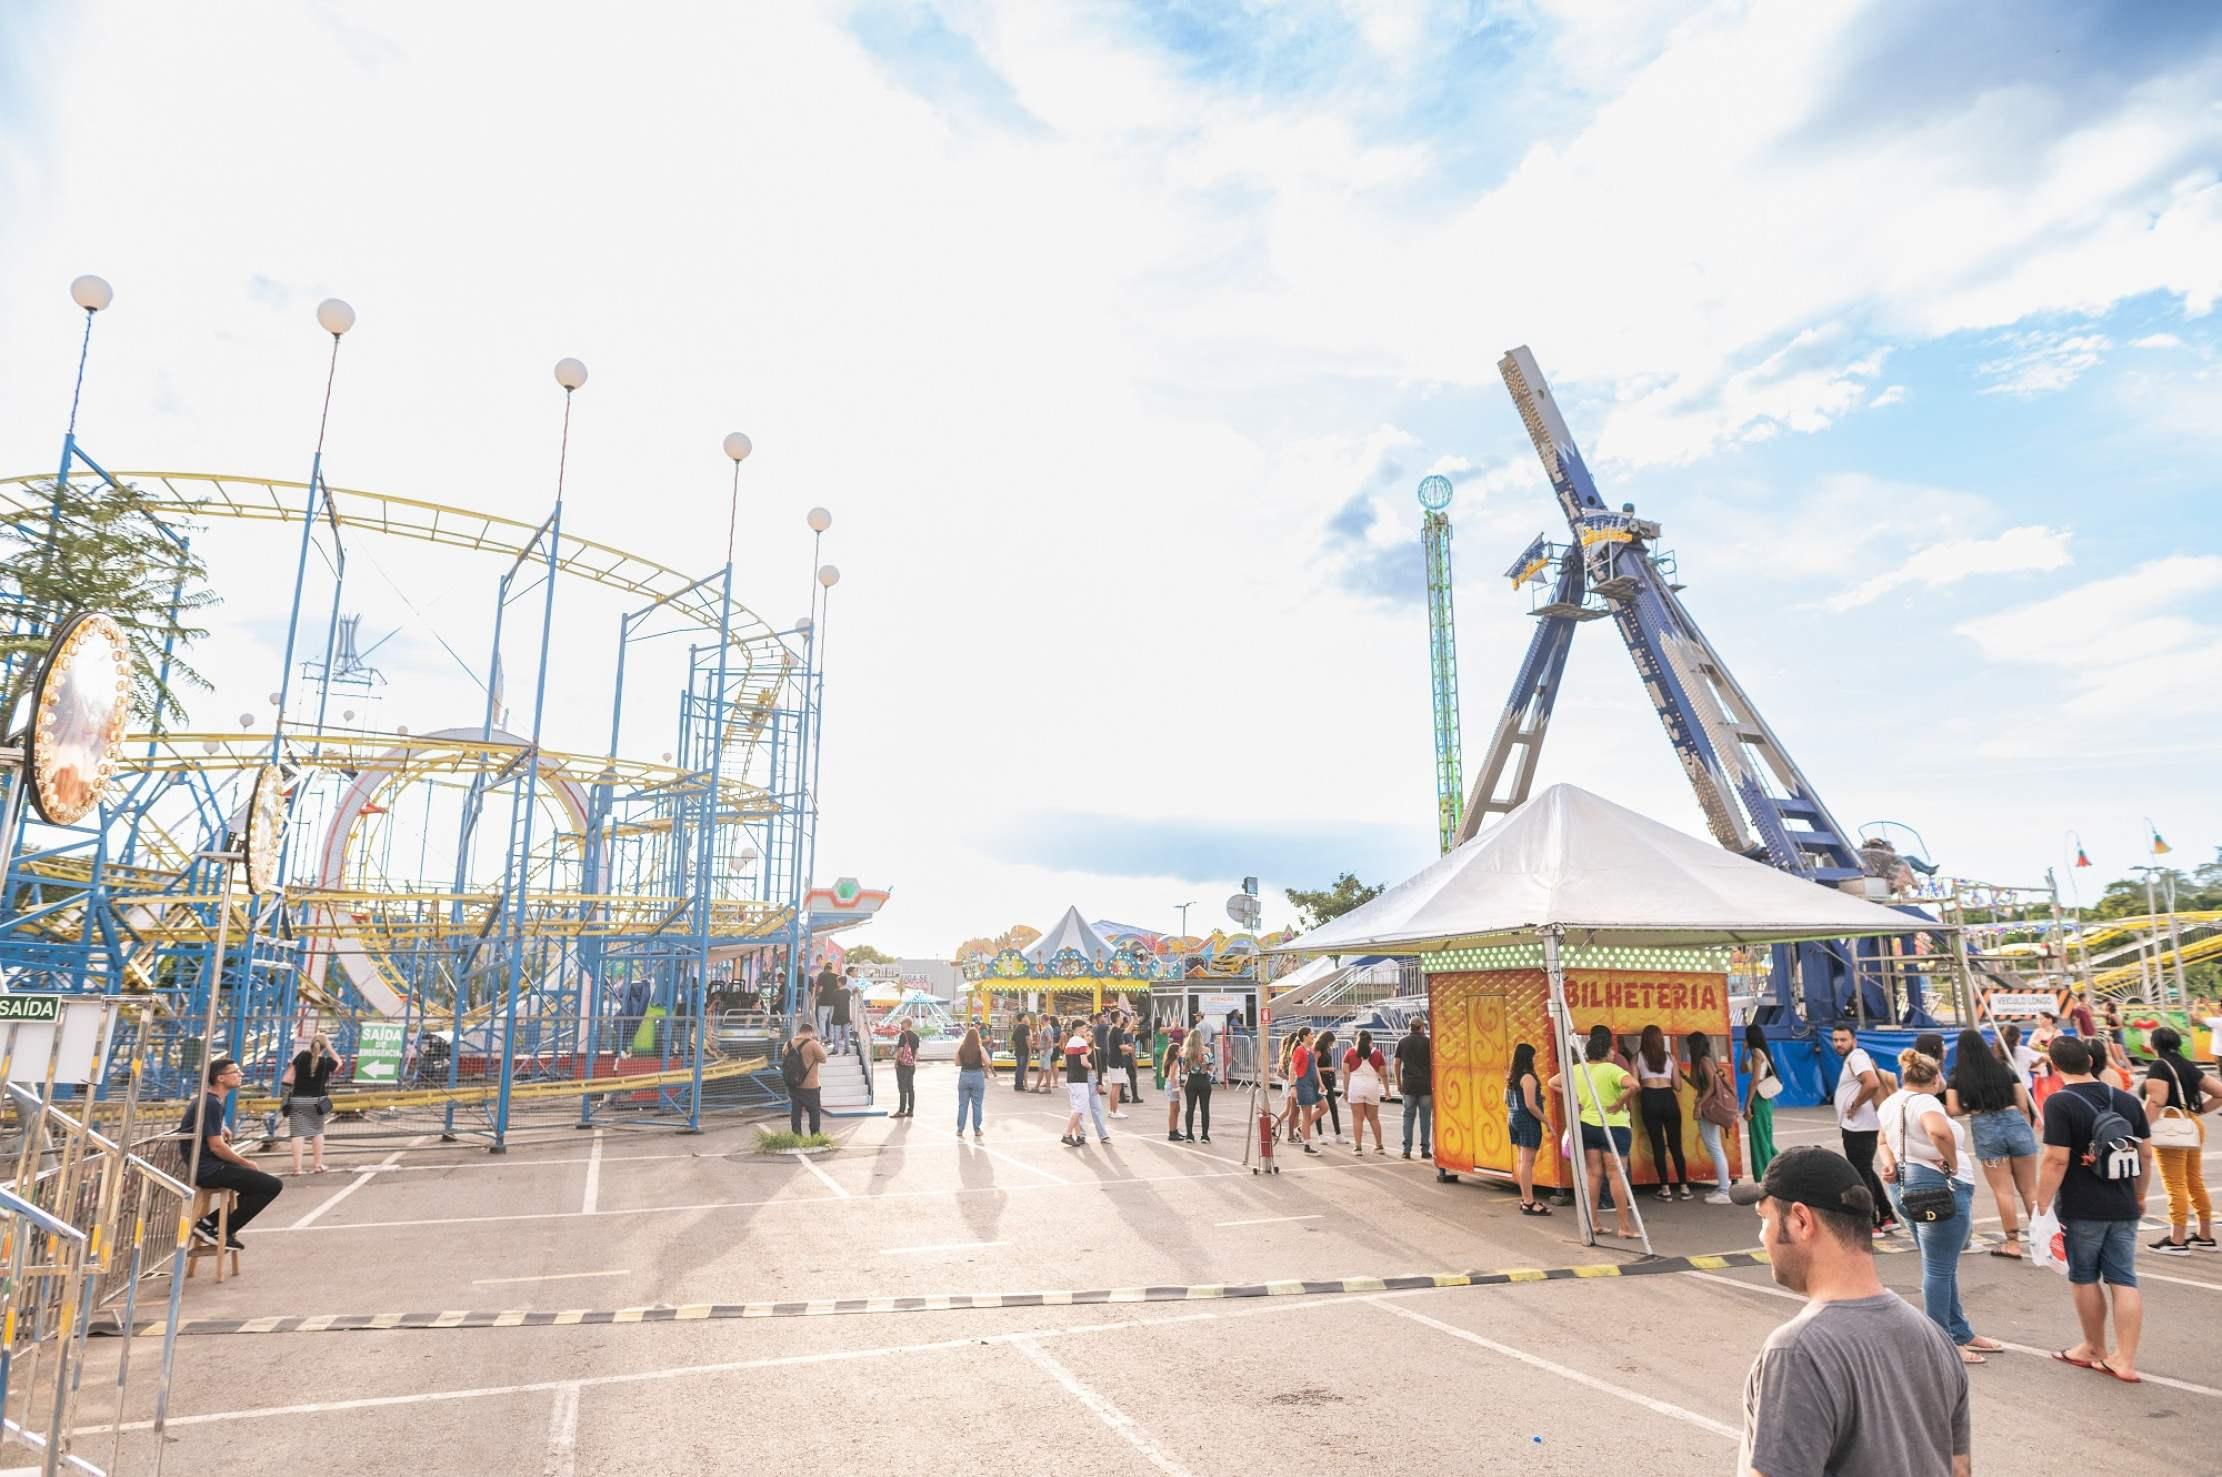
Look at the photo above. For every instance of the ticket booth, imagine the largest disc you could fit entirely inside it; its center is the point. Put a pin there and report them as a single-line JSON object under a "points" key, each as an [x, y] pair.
{"points": [[1482, 1003]]}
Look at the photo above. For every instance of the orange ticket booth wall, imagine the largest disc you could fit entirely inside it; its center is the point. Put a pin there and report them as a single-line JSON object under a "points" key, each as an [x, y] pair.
{"points": [[1476, 1018]]}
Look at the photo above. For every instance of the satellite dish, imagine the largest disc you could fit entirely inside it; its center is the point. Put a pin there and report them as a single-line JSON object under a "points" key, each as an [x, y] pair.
{"points": [[1244, 909]]}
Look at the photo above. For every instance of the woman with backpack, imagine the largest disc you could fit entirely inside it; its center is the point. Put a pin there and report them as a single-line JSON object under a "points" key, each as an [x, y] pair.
{"points": [[2177, 1093], [1524, 1119], [1759, 1107], [1195, 1061], [1999, 1116], [906, 1073], [1365, 1078], [1716, 1111]]}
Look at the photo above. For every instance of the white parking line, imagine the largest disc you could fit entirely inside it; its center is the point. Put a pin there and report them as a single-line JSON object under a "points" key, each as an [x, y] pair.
{"points": [[1271, 1220], [593, 1175], [563, 1433], [823, 1178], [1121, 1424], [552, 1277], [1014, 1161], [1633, 1397], [359, 1181]]}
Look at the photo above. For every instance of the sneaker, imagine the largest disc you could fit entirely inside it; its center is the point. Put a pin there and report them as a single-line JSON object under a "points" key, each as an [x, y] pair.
{"points": [[2200, 1243], [1118, 1115], [1310, 1150], [1666, 1192], [1427, 1151], [1106, 1138], [233, 1243], [1205, 1139], [1190, 1138], [1172, 1138], [2171, 1248], [1407, 1153], [1719, 1197], [204, 1233], [1683, 1191]]}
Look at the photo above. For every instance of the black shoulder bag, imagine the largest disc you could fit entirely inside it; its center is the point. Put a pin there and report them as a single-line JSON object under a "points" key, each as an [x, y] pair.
{"points": [[1930, 1203]]}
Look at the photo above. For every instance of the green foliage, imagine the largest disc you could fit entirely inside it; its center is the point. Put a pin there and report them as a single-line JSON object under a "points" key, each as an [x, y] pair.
{"points": [[1331, 902], [780, 1141], [102, 548], [866, 954]]}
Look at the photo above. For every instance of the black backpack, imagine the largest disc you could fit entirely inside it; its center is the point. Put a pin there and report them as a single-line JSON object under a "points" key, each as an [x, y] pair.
{"points": [[792, 1068], [2114, 1152]]}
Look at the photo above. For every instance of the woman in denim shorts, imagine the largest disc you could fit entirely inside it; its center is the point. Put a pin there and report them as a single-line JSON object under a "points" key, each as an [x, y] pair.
{"points": [[1996, 1106]]}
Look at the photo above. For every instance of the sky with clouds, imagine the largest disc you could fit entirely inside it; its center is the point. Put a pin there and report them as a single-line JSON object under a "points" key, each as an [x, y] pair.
{"points": [[1116, 338]]}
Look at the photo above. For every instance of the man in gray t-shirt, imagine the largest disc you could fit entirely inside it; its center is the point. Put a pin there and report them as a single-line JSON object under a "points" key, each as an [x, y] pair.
{"points": [[1859, 1384]]}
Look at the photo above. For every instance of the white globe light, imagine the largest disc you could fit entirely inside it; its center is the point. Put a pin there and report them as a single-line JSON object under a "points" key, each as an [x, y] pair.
{"points": [[334, 316], [246, 720], [210, 746], [820, 520], [829, 575], [347, 715], [91, 293], [570, 373], [667, 758], [803, 624], [276, 698], [738, 446], [402, 729]]}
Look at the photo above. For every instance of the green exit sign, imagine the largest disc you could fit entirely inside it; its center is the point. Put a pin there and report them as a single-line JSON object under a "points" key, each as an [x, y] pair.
{"points": [[30, 1007]]}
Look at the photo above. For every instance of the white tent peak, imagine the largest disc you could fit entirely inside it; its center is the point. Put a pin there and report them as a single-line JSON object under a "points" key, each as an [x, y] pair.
{"points": [[1070, 932], [1605, 874]]}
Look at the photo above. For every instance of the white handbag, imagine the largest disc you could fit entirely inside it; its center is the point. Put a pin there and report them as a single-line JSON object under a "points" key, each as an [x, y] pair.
{"points": [[1769, 1086], [2175, 1129]]}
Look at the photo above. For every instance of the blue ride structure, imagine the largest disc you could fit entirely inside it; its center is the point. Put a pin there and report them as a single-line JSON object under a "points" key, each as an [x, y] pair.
{"points": [[1756, 800]]}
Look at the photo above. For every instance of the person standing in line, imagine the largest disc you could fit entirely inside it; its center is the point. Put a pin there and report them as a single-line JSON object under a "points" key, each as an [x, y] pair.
{"points": [[308, 1099], [844, 989], [1330, 1079], [1365, 1071], [1415, 1075], [1303, 1065], [1759, 1096], [1167, 1068], [1602, 1089], [2019, 1059], [221, 1166], [1022, 1050], [972, 1079], [2081, 1021], [1923, 1148], [1047, 1040], [1999, 1116], [1195, 1060], [803, 1090], [1858, 1383], [1859, 1087], [1286, 1118], [1137, 1033], [1661, 1106], [1080, 1087], [1116, 1045], [1716, 1111], [823, 988], [2097, 1165], [906, 1074], [1524, 1120], [2177, 1094]]}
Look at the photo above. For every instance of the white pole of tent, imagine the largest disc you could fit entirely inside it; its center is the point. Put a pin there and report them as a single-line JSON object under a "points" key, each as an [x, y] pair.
{"points": [[1571, 1055]]}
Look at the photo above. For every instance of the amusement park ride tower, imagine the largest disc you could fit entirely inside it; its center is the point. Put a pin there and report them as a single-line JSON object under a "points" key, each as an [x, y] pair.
{"points": [[1442, 656], [1756, 800]]}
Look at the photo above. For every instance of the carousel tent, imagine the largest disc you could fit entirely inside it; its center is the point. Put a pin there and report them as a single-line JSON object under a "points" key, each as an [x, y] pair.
{"points": [[1070, 932], [1575, 859]]}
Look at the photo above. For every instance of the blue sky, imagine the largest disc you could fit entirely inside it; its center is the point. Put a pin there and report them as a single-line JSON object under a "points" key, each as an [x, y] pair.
{"points": [[1117, 337]]}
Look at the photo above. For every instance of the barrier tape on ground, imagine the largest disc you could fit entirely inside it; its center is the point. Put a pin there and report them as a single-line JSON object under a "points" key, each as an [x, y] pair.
{"points": [[950, 1302]]}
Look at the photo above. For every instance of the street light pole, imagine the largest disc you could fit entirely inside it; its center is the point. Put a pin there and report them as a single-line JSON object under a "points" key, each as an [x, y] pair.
{"points": [[1184, 907]]}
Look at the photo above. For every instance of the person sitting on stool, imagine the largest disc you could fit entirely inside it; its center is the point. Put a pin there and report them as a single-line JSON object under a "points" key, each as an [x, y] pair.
{"points": [[222, 1167]]}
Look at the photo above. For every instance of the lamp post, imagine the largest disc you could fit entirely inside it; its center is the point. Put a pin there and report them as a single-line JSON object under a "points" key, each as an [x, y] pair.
{"points": [[737, 446], [1184, 907]]}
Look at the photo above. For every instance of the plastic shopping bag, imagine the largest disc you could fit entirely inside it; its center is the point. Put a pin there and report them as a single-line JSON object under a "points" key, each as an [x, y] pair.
{"points": [[2046, 1242]]}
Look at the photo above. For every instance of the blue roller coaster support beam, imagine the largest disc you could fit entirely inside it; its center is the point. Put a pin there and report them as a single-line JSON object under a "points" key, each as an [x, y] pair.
{"points": [[1756, 800], [1442, 662]]}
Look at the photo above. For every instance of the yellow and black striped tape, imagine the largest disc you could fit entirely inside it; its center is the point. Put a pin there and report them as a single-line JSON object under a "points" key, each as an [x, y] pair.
{"points": [[948, 1302]]}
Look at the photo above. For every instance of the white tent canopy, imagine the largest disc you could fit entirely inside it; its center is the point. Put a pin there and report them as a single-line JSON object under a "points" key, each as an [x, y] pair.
{"points": [[1607, 875], [1070, 932]]}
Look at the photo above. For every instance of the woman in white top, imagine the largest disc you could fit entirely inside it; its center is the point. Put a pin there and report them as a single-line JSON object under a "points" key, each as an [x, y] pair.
{"points": [[1923, 1149]]}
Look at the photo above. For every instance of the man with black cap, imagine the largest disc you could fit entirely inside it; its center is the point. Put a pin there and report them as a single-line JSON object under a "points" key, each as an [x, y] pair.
{"points": [[1860, 1384]]}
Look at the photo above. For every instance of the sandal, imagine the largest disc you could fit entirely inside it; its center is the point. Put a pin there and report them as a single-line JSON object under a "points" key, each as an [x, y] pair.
{"points": [[2128, 1379], [1984, 1346], [2066, 1358], [1969, 1356], [2001, 1250], [1534, 1207]]}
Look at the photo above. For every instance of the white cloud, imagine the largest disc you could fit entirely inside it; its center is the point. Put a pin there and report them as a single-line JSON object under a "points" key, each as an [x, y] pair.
{"points": [[2120, 646], [2157, 341], [2040, 362], [2016, 551], [1888, 395]]}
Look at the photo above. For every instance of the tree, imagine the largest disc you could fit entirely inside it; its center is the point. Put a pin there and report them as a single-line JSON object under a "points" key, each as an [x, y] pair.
{"points": [[102, 548], [1017, 936], [866, 954], [1331, 902]]}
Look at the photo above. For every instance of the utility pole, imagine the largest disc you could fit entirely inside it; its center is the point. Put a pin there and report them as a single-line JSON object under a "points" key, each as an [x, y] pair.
{"points": [[1184, 907]]}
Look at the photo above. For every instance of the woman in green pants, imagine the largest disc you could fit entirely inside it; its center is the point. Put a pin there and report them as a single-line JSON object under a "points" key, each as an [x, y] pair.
{"points": [[1759, 1108]]}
